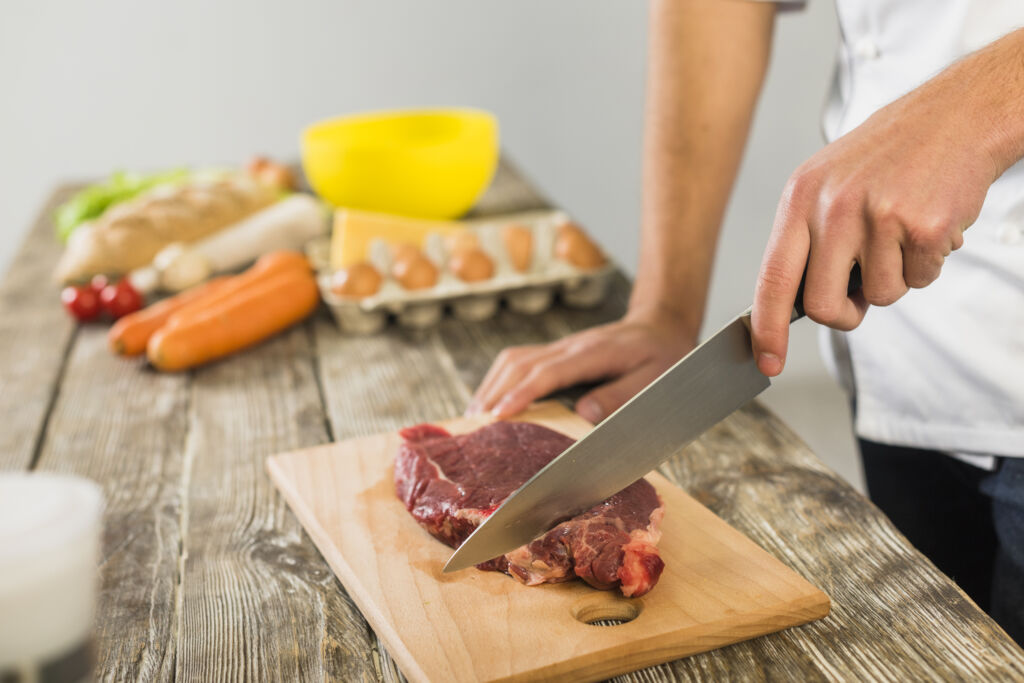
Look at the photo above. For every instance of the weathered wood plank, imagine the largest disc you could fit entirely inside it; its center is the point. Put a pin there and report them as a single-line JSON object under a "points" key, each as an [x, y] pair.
{"points": [[124, 427], [256, 599], [35, 335]]}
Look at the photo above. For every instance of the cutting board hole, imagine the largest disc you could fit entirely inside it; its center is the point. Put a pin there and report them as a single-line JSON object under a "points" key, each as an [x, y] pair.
{"points": [[605, 610]]}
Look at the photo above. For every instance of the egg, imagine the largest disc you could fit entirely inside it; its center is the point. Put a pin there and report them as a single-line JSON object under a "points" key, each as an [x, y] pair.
{"points": [[471, 265], [357, 281], [462, 240], [404, 252], [414, 270], [518, 241], [573, 246]]}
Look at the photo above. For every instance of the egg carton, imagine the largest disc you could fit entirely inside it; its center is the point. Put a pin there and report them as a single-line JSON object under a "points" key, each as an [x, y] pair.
{"points": [[530, 292]]}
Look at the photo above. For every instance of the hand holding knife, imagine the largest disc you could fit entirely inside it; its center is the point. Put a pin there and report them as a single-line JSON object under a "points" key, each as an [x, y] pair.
{"points": [[696, 393]]}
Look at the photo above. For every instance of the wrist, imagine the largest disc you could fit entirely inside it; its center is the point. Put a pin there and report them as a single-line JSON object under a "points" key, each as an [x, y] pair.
{"points": [[1005, 140], [664, 313]]}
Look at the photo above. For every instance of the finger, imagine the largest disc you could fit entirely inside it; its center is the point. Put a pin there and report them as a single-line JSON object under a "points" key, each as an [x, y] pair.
{"points": [[509, 375], [777, 283], [829, 263], [605, 400], [882, 272], [562, 369], [510, 365], [921, 267]]}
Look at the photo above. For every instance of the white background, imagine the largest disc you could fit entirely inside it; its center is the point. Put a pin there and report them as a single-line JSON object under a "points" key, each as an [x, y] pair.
{"points": [[86, 88]]}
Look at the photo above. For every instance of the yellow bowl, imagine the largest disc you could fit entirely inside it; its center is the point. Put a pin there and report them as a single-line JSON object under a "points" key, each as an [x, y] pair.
{"points": [[429, 163]]}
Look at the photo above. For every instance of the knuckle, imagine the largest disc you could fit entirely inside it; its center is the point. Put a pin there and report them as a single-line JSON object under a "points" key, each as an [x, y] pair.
{"points": [[886, 214], [883, 296], [957, 240], [846, 324], [539, 381], [923, 275], [823, 310], [840, 204], [799, 188], [919, 281], [532, 383], [929, 234], [772, 276], [582, 345], [506, 356]]}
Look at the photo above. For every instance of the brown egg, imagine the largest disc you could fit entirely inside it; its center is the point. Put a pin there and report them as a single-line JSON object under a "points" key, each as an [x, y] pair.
{"points": [[518, 245], [358, 281], [462, 240], [404, 252], [471, 265], [415, 271], [573, 246]]}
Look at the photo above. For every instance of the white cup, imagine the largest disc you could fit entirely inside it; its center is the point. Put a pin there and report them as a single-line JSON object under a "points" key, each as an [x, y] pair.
{"points": [[50, 533]]}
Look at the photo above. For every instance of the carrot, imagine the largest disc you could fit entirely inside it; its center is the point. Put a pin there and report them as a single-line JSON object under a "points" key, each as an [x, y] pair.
{"points": [[246, 318], [129, 335], [266, 266]]}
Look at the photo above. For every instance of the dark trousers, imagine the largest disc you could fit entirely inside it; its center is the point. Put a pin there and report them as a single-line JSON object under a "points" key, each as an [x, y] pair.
{"points": [[968, 521]]}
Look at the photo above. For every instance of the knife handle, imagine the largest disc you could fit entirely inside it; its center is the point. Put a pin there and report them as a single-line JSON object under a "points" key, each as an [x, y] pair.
{"points": [[798, 306]]}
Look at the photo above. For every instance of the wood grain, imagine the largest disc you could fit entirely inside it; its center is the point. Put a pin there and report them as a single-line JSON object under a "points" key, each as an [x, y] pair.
{"points": [[124, 427], [256, 600], [35, 336], [717, 588]]}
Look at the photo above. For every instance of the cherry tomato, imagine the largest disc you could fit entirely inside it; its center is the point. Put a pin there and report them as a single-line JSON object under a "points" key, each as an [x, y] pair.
{"points": [[98, 282], [120, 299], [81, 302]]}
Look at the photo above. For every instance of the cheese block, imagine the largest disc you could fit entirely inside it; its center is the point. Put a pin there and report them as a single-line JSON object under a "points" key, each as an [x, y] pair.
{"points": [[355, 230]]}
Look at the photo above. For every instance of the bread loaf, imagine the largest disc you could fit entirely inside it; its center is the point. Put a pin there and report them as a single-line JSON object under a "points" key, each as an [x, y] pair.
{"points": [[129, 235]]}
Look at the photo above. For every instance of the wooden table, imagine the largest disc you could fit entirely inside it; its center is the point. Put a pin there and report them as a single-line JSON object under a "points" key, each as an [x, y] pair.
{"points": [[206, 574]]}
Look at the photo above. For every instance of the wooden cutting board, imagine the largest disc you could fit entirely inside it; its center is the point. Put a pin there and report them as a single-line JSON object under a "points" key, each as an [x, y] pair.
{"points": [[718, 587]]}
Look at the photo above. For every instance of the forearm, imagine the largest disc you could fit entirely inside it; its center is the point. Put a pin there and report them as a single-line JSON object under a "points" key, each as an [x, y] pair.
{"points": [[706, 64], [987, 90]]}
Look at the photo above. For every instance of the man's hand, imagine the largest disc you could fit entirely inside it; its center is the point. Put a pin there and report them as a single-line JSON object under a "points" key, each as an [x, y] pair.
{"points": [[634, 350], [894, 195]]}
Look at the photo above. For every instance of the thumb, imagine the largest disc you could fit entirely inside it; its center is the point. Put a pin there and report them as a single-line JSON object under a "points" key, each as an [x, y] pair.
{"points": [[607, 398]]}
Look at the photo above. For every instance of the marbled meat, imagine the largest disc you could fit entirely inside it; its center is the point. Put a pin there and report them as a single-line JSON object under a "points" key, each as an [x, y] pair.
{"points": [[450, 484]]}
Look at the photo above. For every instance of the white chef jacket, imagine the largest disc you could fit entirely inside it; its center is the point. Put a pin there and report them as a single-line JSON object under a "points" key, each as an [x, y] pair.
{"points": [[943, 367]]}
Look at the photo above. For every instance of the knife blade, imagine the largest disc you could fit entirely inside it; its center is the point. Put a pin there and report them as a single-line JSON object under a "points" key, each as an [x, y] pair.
{"points": [[689, 398], [696, 393]]}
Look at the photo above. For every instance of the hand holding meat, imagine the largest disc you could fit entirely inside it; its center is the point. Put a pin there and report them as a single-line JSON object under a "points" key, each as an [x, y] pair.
{"points": [[894, 195]]}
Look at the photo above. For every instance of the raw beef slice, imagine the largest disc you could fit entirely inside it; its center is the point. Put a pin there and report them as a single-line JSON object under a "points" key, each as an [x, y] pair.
{"points": [[450, 484]]}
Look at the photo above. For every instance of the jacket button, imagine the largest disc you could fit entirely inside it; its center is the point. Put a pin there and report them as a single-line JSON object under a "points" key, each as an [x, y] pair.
{"points": [[865, 49], [1010, 233]]}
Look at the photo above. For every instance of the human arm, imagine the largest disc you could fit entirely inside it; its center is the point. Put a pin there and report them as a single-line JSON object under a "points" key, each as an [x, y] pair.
{"points": [[894, 195], [706, 65]]}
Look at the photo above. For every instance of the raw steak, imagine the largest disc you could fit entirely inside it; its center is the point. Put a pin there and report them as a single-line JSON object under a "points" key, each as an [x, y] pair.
{"points": [[450, 484]]}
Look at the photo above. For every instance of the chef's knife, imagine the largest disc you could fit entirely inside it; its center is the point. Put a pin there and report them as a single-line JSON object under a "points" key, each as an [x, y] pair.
{"points": [[689, 398]]}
